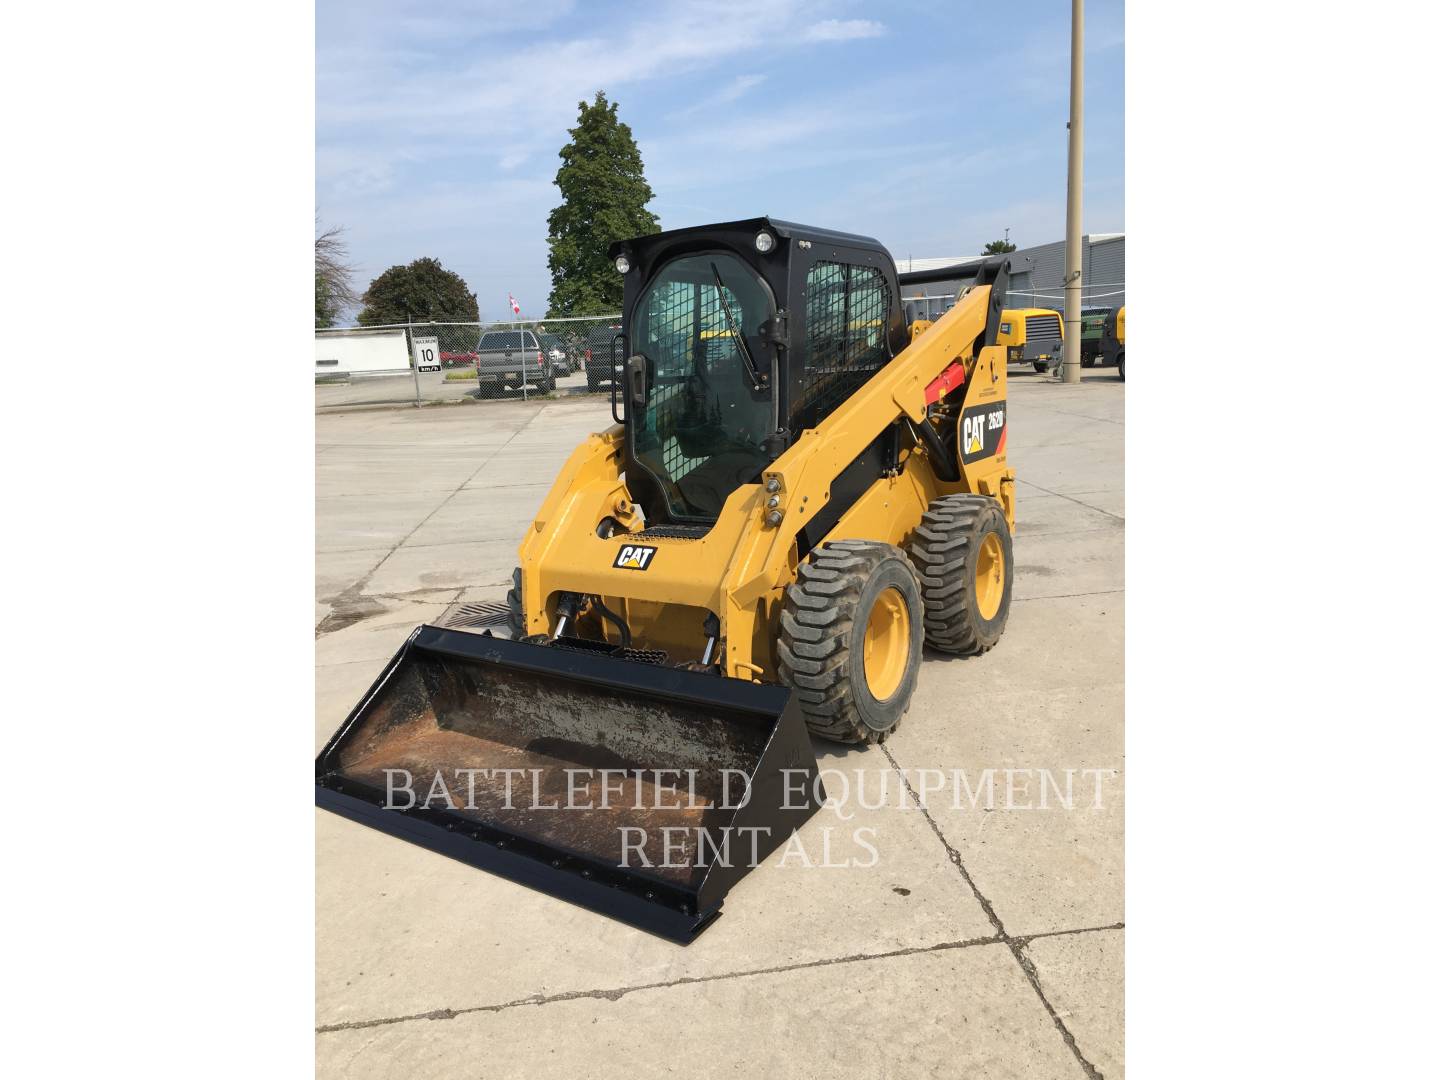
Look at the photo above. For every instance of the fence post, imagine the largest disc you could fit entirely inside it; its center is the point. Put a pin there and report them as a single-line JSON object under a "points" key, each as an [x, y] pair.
{"points": [[524, 368], [410, 345]]}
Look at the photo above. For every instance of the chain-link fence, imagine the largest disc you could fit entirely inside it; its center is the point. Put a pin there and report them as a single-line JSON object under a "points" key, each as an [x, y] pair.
{"points": [[528, 359], [1103, 296], [457, 362]]}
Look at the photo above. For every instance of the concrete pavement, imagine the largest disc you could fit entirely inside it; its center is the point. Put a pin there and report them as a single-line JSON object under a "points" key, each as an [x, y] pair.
{"points": [[987, 940]]}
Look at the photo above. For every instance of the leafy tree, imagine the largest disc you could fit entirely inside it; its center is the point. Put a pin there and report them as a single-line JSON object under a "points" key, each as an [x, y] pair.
{"points": [[423, 291], [334, 291], [998, 247], [604, 192], [326, 310]]}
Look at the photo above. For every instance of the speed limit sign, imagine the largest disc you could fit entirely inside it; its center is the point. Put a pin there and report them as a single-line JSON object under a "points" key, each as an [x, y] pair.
{"points": [[427, 353]]}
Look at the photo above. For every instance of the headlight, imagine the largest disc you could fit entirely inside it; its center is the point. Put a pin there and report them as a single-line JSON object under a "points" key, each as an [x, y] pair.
{"points": [[764, 242], [622, 264]]}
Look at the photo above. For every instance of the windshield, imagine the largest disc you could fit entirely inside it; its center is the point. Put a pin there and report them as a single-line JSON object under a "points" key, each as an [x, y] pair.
{"points": [[507, 339], [703, 425]]}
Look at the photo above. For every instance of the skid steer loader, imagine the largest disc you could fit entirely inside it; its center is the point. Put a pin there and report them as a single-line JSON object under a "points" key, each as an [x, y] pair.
{"points": [[799, 490]]}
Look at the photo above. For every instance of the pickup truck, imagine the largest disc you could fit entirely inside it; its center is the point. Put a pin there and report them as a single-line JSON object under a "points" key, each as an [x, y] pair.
{"points": [[602, 368], [498, 360]]}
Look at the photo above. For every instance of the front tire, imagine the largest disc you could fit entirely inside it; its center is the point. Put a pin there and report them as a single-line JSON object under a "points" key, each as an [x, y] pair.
{"points": [[850, 639], [963, 551], [1120, 363], [515, 609]]}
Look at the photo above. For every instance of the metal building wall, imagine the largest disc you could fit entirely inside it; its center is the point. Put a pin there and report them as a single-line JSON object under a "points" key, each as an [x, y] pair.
{"points": [[1040, 269]]}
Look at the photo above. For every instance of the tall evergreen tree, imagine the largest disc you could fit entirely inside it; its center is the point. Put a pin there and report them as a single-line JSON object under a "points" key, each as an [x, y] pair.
{"points": [[603, 191], [422, 291]]}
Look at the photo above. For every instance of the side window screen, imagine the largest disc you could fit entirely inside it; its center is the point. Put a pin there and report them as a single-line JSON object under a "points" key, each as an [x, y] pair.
{"points": [[845, 312]]}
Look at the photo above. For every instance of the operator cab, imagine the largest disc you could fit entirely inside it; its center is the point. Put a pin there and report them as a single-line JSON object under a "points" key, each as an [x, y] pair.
{"points": [[737, 337]]}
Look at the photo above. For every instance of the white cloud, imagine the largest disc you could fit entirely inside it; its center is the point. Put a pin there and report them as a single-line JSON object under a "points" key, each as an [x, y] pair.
{"points": [[844, 30], [730, 92]]}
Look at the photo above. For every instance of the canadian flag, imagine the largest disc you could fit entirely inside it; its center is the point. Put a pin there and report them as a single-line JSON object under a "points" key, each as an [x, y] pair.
{"points": [[514, 304]]}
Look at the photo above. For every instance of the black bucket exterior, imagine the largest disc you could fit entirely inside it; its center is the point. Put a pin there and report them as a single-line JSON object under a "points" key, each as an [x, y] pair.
{"points": [[639, 791]]}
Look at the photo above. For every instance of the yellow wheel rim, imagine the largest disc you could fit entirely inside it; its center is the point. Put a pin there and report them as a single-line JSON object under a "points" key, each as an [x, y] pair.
{"points": [[989, 576], [887, 644]]}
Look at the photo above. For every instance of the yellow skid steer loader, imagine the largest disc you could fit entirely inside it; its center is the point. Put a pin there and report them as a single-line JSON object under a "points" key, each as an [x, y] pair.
{"points": [[798, 492]]}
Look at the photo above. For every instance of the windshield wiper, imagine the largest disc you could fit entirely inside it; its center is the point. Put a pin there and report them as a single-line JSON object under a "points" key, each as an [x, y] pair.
{"points": [[750, 366]]}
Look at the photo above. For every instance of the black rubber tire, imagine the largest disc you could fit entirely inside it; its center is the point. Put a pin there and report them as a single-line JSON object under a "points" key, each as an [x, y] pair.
{"points": [[515, 616], [952, 529], [1120, 363], [822, 634], [1041, 367], [1088, 361]]}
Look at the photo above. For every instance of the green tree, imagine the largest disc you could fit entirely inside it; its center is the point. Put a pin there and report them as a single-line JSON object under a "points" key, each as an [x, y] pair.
{"points": [[998, 247], [326, 310], [603, 192], [422, 291]]}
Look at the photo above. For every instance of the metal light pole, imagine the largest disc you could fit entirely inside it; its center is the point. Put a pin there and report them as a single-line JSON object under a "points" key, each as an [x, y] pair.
{"points": [[1070, 369]]}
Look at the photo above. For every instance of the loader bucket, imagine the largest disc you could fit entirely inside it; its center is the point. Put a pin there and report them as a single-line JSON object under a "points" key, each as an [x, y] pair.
{"points": [[638, 791]]}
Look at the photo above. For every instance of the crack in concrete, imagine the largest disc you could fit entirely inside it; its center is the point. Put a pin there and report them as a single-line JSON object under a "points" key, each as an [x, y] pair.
{"points": [[1079, 502], [1066, 596], [1014, 944], [620, 992], [1025, 939], [355, 593]]}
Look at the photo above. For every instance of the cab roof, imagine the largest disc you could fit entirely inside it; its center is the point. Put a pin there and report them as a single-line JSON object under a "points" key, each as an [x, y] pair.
{"points": [[740, 233]]}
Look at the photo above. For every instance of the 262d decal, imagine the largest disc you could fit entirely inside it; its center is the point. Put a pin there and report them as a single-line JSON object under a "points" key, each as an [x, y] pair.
{"points": [[982, 432]]}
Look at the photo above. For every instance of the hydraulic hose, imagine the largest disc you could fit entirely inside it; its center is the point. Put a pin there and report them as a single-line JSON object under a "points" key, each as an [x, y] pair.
{"points": [[942, 457], [620, 623]]}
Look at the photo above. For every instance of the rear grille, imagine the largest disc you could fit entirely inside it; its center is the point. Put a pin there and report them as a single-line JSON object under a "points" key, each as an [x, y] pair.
{"points": [[668, 532], [1042, 327], [640, 656]]}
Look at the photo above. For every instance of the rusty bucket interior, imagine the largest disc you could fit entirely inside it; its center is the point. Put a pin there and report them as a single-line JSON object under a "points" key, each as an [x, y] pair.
{"points": [[640, 791]]}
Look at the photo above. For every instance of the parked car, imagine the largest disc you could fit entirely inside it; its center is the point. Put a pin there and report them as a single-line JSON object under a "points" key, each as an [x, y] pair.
{"points": [[557, 350], [457, 359], [501, 355], [601, 369]]}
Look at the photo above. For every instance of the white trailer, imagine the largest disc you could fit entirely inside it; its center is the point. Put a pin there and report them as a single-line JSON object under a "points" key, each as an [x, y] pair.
{"points": [[361, 352]]}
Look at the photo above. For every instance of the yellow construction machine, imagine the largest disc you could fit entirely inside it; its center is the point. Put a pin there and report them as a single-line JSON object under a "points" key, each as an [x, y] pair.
{"points": [[798, 492], [1033, 336]]}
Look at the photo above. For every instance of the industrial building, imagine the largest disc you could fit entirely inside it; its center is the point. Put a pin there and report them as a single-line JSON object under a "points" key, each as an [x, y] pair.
{"points": [[1036, 276]]}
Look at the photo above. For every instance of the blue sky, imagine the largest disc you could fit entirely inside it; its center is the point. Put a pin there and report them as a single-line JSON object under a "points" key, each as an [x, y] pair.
{"points": [[932, 126]]}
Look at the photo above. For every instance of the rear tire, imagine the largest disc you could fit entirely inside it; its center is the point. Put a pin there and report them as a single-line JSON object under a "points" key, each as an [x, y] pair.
{"points": [[1088, 361], [1041, 367], [963, 551], [515, 615], [1120, 363], [850, 639]]}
